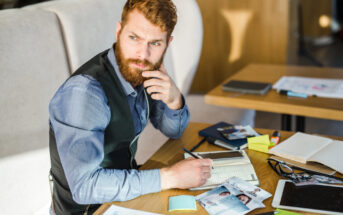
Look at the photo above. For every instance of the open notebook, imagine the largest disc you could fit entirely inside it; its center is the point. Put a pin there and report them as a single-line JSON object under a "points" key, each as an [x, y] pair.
{"points": [[304, 148], [227, 164]]}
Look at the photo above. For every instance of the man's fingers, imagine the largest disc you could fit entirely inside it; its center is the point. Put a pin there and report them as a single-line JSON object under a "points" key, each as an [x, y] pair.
{"points": [[206, 162], [157, 96], [156, 89], [155, 81], [155, 74], [206, 175]]}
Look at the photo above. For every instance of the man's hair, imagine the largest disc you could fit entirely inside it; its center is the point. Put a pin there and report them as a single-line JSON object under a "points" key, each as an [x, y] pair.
{"points": [[159, 12]]}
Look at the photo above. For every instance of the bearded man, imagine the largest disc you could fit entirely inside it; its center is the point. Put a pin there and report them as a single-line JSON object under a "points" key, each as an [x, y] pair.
{"points": [[97, 115]]}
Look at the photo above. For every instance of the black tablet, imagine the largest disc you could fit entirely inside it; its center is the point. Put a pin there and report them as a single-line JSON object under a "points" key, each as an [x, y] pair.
{"points": [[246, 87], [319, 198]]}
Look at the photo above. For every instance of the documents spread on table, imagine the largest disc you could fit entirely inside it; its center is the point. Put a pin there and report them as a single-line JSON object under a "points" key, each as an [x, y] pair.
{"points": [[330, 88], [116, 210]]}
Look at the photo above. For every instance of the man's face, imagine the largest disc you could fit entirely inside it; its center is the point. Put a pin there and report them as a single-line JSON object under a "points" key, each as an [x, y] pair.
{"points": [[225, 193], [244, 199], [140, 47]]}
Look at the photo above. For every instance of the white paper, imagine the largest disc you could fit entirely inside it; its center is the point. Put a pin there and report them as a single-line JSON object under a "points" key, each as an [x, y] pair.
{"points": [[116, 210], [330, 88]]}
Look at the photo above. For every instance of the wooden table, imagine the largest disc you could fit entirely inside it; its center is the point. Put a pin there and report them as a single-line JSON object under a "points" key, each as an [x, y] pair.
{"points": [[272, 101], [171, 153]]}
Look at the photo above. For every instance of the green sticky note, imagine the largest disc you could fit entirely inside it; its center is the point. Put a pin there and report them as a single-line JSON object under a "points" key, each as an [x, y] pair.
{"points": [[259, 143], [284, 212], [182, 202]]}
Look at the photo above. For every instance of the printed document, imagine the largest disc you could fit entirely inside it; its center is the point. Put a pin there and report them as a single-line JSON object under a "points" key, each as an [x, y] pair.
{"points": [[234, 197], [330, 88]]}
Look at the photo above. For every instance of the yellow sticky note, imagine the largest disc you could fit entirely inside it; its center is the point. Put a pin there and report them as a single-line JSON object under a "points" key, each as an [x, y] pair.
{"points": [[259, 143]]}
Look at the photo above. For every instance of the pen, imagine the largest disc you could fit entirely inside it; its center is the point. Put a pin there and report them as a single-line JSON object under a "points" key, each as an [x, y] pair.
{"points": [[294, 94], [197, 145], [190, 153]]}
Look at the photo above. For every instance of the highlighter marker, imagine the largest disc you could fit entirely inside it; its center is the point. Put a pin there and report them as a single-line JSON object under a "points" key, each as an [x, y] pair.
{"points": [[275, 137], [293, 94]]}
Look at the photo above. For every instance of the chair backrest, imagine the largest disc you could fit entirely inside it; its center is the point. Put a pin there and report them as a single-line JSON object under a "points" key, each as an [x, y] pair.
{"points": [[186, 46], [89, 28], [32, 66]]}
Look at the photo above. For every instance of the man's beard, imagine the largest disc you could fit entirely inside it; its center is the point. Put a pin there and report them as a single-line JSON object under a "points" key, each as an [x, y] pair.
{"points": [[134, 75]]}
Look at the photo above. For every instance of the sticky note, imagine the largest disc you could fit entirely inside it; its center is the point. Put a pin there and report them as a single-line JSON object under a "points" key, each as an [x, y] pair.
{"points": [[259, 143], [284, 212], [182, 202]]}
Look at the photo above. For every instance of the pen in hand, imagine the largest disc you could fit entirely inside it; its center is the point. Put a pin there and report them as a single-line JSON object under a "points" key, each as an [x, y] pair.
{"points": [[190, 153]]}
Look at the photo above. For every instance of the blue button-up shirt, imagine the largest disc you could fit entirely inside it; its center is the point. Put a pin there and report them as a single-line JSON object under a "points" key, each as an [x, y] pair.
{"points": [[79, 115]]}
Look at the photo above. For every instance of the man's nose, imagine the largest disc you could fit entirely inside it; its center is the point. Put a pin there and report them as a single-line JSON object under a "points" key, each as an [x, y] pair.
{"points": [[143, 52]]}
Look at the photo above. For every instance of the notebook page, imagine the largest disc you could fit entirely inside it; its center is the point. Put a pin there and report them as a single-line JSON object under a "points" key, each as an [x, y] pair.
{"points": [[331, 156], [300, 147]]}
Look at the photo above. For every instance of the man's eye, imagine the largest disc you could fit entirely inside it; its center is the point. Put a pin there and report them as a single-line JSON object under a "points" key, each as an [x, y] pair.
{"points": [[132, 37], [155, 43]]}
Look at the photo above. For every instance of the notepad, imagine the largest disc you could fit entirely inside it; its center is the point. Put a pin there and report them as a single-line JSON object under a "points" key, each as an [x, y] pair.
{"points": [[181, 203], [227, 167], [260, 143]]}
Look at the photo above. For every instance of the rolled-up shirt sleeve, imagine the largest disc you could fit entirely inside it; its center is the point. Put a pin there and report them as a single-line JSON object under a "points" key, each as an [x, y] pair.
{"points": [[171, 123], [79, 115]]}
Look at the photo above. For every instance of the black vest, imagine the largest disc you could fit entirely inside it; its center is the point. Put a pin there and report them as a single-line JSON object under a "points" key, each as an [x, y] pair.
{"points": [[118, 152]]}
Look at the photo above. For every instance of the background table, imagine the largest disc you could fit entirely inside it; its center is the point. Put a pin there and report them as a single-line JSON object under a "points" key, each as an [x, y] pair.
{"points": [[171, 152], [326, 108]]}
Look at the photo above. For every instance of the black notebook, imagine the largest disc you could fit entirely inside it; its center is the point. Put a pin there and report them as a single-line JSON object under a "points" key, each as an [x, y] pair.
{"points": [[246, 87], [212, 134]]}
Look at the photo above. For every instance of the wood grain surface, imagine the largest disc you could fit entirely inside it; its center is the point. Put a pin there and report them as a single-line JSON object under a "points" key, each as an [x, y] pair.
{"points": [[326, 108], [171, 152]]}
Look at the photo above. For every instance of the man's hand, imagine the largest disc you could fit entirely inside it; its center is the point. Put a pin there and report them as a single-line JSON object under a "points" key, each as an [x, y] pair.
{"points": [[161, 87], [187, 173]]}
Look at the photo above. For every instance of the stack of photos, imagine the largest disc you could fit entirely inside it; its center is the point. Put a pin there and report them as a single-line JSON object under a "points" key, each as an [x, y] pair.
{"points": [[234, 197]]}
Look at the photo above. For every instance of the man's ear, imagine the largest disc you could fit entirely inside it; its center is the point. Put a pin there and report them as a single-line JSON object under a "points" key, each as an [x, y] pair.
{"points": [[169, 41], [118, 28]]}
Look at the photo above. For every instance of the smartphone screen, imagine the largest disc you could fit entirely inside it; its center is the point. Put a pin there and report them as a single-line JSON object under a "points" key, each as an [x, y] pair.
{"points": [[220, 155], [318, 197]]}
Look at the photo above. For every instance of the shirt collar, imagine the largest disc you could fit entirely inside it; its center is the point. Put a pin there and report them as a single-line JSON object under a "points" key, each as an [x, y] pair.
{"points": [[128, 89]]}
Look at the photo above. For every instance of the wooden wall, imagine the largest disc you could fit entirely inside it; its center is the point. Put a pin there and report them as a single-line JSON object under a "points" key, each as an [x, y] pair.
{"points": [[239, 32]]}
